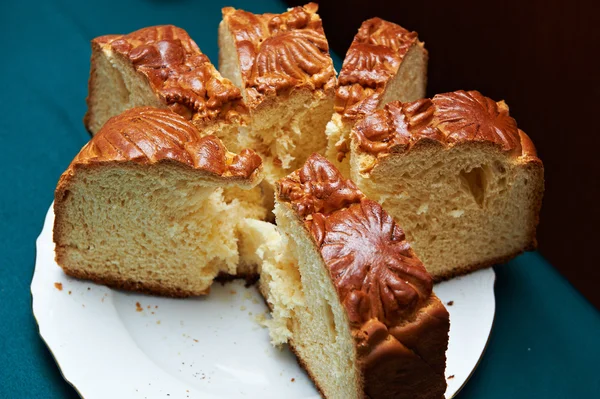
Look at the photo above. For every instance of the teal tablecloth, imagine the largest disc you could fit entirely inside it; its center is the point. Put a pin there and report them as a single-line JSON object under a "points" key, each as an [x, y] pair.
{"points": [[546, 338]]}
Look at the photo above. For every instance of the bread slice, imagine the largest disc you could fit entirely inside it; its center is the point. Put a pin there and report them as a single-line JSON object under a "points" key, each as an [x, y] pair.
{"points": [[456, 172], [161, 66], [348, 294], [282, 65], [384, 63], [141, 208]]}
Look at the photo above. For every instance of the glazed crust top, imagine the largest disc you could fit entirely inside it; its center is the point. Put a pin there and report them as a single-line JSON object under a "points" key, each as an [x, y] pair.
{"points": [[372, 60], [179, 73], [448, 119], [372, 266], [149, 135], [279, 52], [399, 326]]}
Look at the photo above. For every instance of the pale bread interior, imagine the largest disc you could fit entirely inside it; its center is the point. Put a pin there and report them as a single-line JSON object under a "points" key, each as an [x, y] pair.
{"points": [[229, 64], [262, 245], [160, 227], [306, 311], [408, 84], [338, 132], [252, 235], [115, 86], [461, 208], [251, 201], [290, 130]]}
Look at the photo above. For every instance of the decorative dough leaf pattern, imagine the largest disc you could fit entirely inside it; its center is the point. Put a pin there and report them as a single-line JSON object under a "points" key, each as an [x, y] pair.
{"points": [[318, 188], [470, 116], [372, 265], [149, 135], [281, 51], [372, 60], [285, 60], [451, 118], [178, 71], [375, 272]]}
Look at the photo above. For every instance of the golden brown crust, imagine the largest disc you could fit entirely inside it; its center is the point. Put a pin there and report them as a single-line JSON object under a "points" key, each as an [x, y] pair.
{"points": [[279, 52], [373, 58], [317, 187], [376, 274], [448, 119], [406, 361], [383, 286], [149, 135], [373, 268], [178, 72], [527, 145], [150, 287]]}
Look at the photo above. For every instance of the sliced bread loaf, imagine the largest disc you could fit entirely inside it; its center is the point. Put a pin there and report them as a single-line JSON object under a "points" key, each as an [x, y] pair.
{"points": [[282, 65], [162, 67], [384, 63], [141, 207], [459, 176], [347, 292]]}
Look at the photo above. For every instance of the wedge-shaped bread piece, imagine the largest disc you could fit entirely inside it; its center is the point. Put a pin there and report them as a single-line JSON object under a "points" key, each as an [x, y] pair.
{"points": [[161, 66], [281, 63], [456, 172], [141, 208], [384, 63], [358, 309]]}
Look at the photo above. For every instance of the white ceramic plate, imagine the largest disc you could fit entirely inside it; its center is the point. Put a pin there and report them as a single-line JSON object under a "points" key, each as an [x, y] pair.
{"points": [[113, 344]]}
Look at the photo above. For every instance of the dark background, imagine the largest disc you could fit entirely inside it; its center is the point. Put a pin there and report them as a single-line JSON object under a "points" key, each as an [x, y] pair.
{"points": [[541, 57]]}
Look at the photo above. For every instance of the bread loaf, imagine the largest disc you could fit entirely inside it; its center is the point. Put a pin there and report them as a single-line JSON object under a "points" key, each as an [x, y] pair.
{"points": [[162, 67], [348, 294], [141, 208], [464, 182], [384, 63], [282, 65]]}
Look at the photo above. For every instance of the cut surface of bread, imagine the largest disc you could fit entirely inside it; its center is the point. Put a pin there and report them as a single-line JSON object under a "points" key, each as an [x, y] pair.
{"points": [[262, 246], [348, 294], [282, 65], [161, 66], [141, 206], [459, 176], [384, 63]]}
